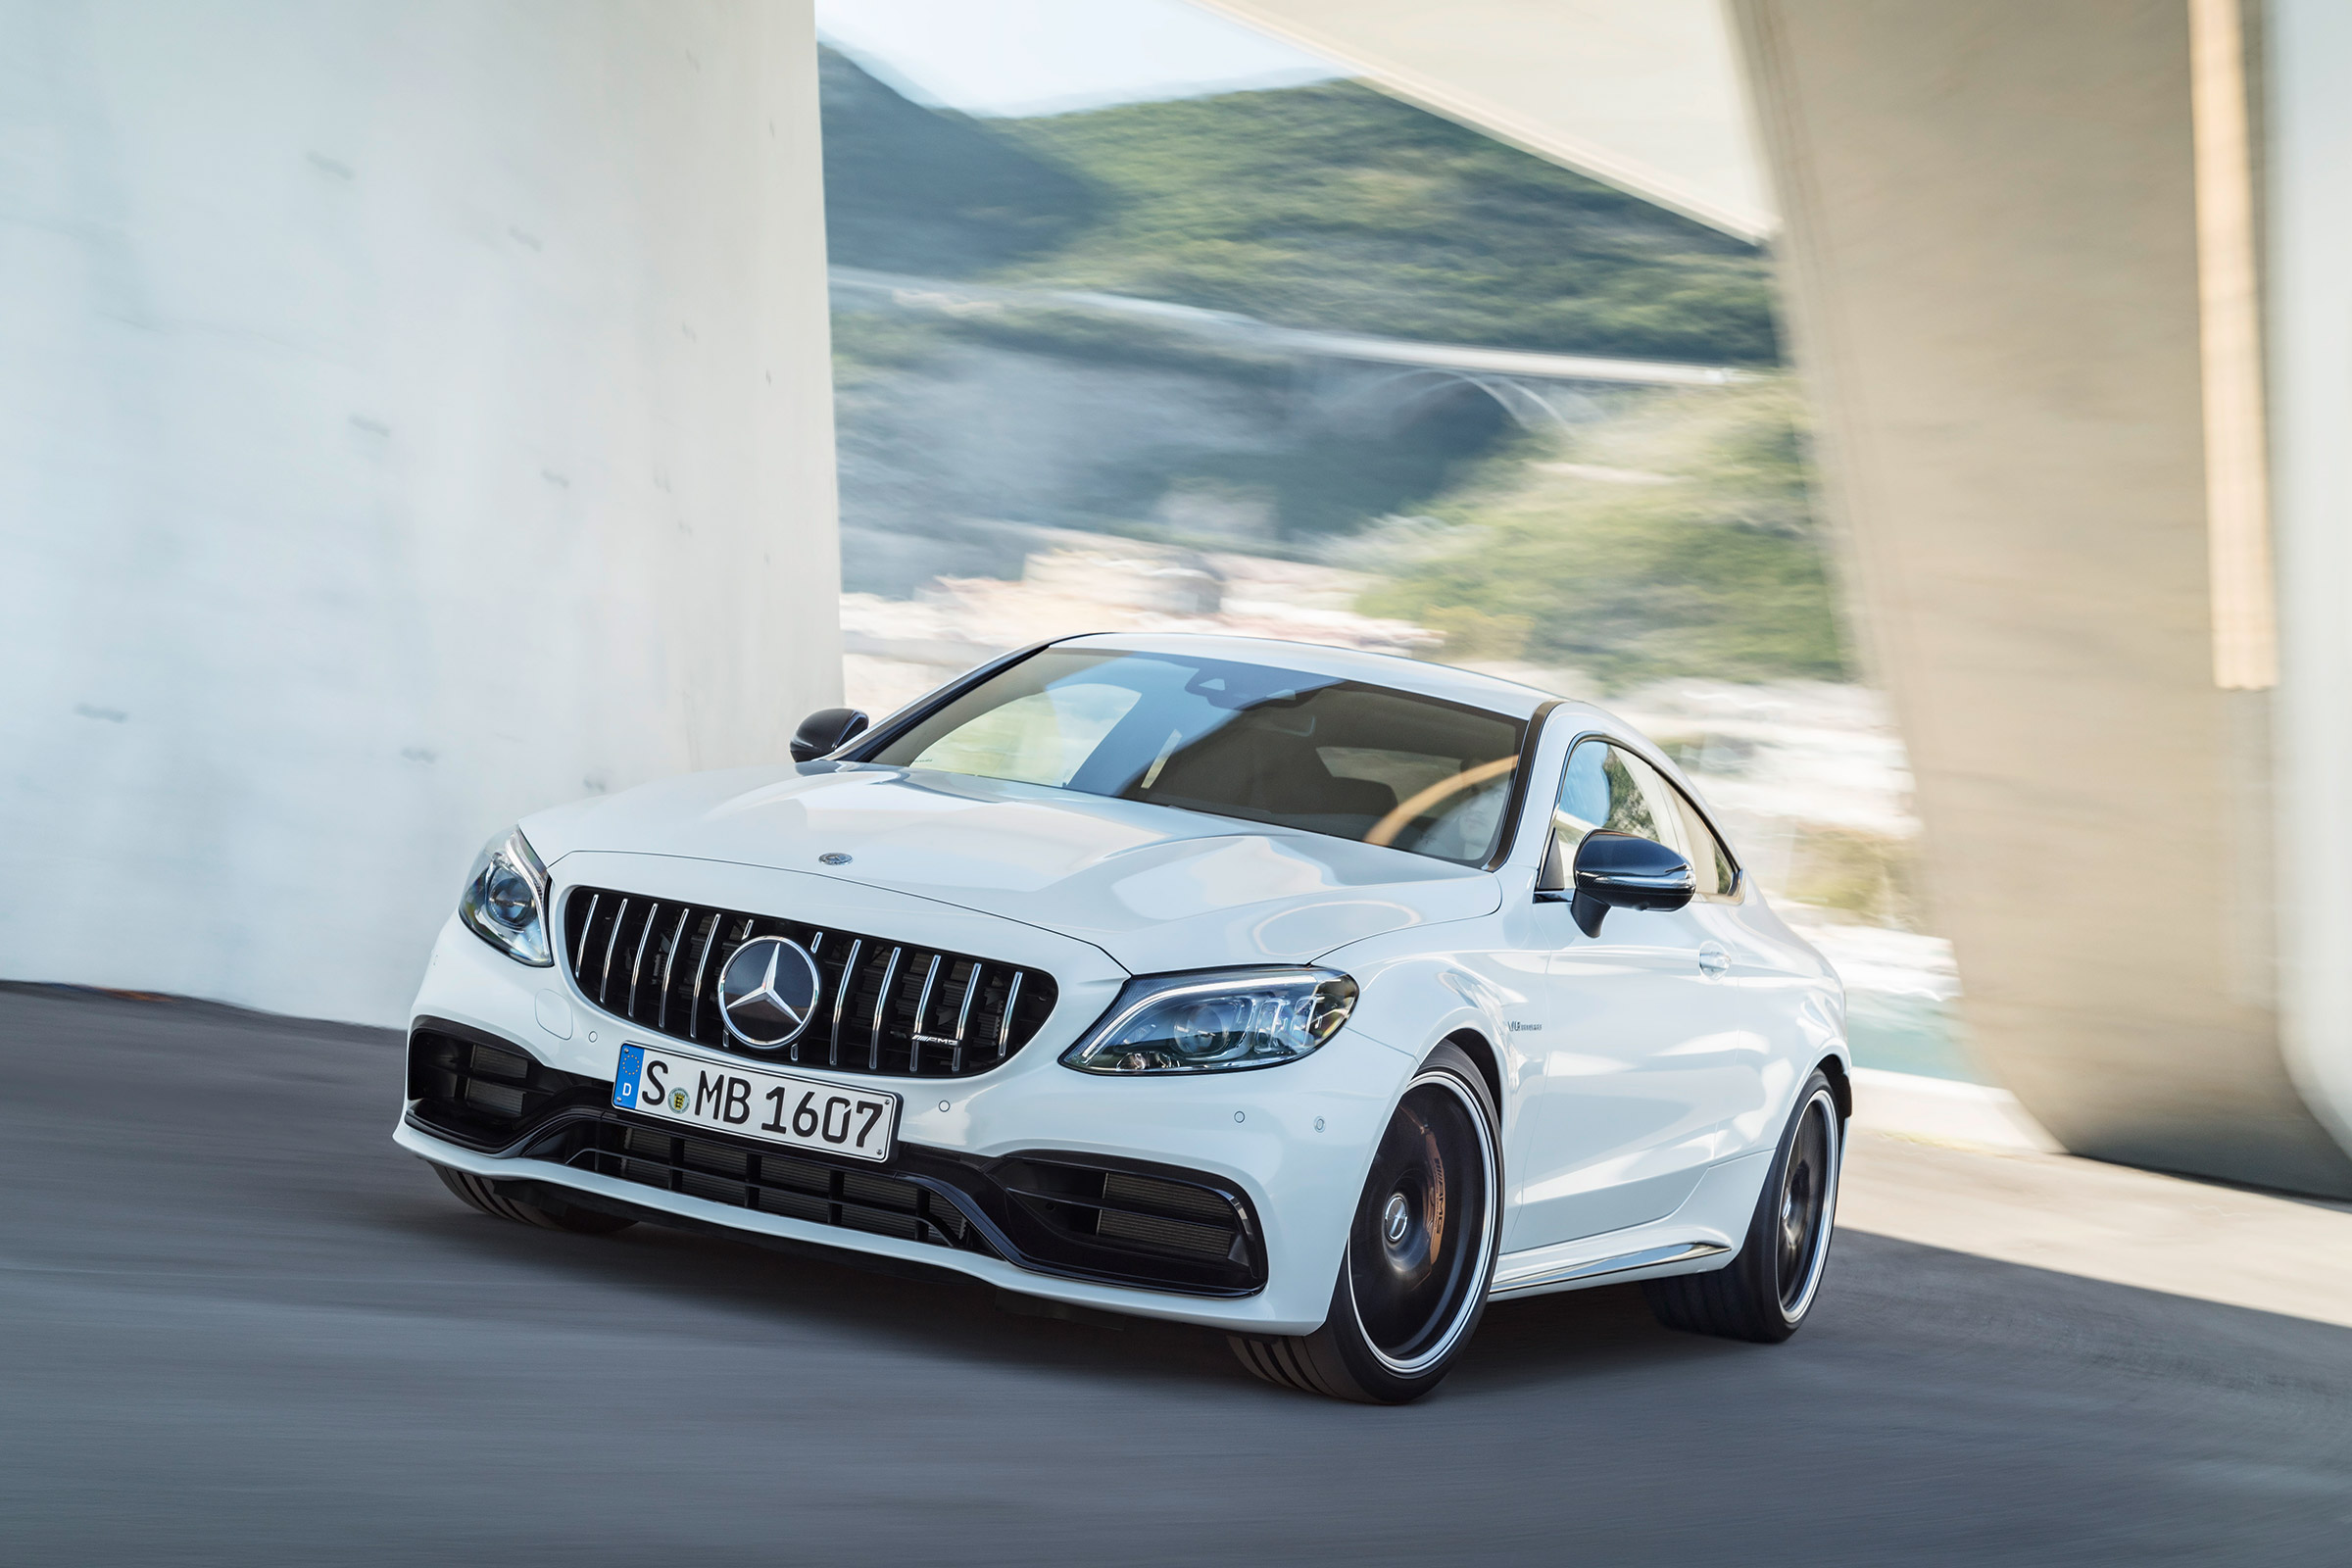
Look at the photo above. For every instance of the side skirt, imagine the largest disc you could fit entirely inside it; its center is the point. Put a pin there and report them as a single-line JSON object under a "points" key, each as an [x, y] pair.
{"points": [[1702, 1234], [1675, 1257]]}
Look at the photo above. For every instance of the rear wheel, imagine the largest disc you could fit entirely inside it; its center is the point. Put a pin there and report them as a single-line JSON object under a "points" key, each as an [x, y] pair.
{"points": [[1420, 1252], [1765, 1291], [483, 1194]]}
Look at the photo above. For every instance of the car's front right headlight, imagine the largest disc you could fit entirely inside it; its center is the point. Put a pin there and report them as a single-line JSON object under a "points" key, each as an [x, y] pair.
{"points": [[505, 900], [1223, 1021]]}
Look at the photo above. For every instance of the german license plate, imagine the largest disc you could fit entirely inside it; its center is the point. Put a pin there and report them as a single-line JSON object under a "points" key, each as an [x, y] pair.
{"points": [[773, 1106]]}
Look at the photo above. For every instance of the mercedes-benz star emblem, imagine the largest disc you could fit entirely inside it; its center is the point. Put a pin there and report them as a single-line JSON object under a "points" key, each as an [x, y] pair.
{"points": [[1397, 1220], [766, 992], [832, 857]]}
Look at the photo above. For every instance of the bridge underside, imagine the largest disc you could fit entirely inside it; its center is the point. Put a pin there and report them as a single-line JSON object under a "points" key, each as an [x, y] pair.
{"points": [[1991, 250], [1993, 255]]}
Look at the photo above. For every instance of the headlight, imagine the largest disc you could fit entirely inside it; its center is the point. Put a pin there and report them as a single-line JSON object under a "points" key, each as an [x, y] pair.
{"points": [[1224, 1021], [505, 899]]}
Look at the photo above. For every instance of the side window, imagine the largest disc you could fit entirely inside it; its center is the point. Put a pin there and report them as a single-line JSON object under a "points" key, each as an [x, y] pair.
{"points": [[1607, 787], [1601, 790], [1710, 861]]}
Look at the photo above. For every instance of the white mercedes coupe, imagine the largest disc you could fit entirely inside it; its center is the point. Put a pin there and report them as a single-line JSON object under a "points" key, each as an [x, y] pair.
{"points": [[1316, 996]]}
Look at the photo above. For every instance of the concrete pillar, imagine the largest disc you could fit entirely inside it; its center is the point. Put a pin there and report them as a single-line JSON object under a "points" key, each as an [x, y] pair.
{"points": [[410, 414], [2308, 63], [1992, 252]]}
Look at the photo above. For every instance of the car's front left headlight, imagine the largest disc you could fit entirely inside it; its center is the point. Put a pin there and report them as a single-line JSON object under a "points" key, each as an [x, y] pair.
{"points": [[1223, 1021], [505, 900]]}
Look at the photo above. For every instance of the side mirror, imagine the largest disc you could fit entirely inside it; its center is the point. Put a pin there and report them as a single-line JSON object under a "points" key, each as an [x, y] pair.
{"points": [[825, 731], [1620, 871]]}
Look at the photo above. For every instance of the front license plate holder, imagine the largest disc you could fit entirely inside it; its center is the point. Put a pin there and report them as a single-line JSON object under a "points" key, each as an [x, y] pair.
{"points": [[773, 1107]]}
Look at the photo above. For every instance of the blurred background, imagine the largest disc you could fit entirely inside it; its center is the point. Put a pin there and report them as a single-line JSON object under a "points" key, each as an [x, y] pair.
{"points": [[1930, 421], [1182, 327], [1926, 421]]}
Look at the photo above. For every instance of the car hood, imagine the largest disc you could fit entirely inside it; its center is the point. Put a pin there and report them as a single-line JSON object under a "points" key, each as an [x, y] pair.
{"points": [[1157, 888]]}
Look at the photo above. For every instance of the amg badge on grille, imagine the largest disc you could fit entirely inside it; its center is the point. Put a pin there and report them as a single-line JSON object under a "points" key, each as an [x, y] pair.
{"points": [[767, 992]]}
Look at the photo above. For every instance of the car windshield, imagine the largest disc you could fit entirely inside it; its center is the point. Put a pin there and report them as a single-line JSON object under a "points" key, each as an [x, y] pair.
{"points": [[1247, 740]]}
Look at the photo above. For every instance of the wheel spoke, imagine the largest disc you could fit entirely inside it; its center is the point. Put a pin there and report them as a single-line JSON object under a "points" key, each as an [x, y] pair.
{"points": [[1804, 1196], [1420, 1237]]}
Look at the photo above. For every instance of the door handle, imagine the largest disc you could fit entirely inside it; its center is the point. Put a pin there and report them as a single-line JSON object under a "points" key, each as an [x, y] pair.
{"points": [[1714, 960]]}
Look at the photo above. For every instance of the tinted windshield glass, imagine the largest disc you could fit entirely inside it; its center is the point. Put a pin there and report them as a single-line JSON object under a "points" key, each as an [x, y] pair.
{"points": [[1265, 745]]}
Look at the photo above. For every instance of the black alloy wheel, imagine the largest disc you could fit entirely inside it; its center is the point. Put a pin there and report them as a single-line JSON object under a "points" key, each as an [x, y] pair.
{"points": [[1420, 1251], [1768, 1288], [1808, 1177]]}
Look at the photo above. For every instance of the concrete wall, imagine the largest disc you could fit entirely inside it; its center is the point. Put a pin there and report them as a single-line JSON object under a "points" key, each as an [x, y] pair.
{"points": [[2309, 154], [410, 414], [1991, 244]]}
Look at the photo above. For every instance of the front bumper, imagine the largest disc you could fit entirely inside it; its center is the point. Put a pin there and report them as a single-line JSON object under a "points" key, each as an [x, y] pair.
{"points": [[1290, 1144]]}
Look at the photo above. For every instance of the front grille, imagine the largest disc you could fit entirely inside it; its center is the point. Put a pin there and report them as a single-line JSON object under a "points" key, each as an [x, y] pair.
{"points": [[882, 1006], [772, 1183]]}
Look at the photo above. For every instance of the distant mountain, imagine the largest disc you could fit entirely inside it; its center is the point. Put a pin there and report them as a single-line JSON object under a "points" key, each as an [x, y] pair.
{"points": [[1654, 534], [1326, 206], [910, 189]]}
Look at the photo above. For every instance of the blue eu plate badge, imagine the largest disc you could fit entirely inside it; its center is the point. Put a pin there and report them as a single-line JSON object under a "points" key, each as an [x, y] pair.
{"points": [[625, 1081]]}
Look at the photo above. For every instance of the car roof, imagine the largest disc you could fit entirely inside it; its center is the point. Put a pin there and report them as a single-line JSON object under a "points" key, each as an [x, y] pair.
{"points": [[1467, 687]]}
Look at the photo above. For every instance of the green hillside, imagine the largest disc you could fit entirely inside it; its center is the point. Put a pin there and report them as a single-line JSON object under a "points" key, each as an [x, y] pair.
{"points": [[1675, 539], [1335, 205], [1659, 534], [1326, 206]]}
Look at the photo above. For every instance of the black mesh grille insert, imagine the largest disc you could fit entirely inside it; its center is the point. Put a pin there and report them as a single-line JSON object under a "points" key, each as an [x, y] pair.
{"points": [[882, 1006], [486, 1094], [1109, 1210], [774, 1183]]}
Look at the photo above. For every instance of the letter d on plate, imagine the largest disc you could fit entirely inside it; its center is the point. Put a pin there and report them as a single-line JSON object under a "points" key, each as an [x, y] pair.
{"points": [[625, 1080]]}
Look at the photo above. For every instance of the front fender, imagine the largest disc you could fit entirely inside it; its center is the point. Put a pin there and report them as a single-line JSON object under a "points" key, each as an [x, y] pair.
{"points": [[1412, 1001]]}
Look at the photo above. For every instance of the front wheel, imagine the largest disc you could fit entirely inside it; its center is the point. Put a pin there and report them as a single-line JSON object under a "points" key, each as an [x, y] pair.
{"points": [[1765, 1291], [1420, 1252]]}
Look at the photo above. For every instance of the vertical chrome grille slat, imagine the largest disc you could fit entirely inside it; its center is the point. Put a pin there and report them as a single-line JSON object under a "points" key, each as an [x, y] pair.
{"points": [[941, 1006], [670, 965], [694, 1014], [579, 949], [604, 981], [816, 952], [1013, 997], [873, 1042], [922, 1012], [637, 961], [726, 955], [841, 998], [963, 1013]]}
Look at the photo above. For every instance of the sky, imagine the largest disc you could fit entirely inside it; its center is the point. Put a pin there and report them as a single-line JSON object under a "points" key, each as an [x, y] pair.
{"points": [[1033, 57]]}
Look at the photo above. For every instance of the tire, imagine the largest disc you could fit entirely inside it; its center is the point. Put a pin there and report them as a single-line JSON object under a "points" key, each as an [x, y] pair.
{"points": [[1420, 1251], [480, 1192], [1765, 1291]]}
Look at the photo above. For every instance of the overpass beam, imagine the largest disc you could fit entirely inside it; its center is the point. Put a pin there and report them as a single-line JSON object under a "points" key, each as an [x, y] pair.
{"points": [[1992, 261]]}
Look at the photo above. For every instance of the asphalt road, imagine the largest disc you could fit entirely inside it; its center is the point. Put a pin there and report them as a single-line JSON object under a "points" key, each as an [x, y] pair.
{"points": [[243, 1328]]}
